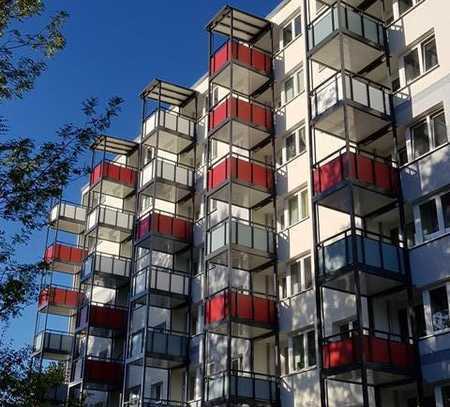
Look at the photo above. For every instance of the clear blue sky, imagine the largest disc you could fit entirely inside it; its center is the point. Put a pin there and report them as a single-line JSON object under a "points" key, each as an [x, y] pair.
{"points": [[113, 48]]}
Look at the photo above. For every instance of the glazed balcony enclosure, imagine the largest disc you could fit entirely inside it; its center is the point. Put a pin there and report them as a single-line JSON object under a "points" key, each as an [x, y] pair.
{"points": [[251, 122], [53, 345], [367, 107], [164, 349], [97, 373], [363, 38], [106, 270], [388, 357], [109, 223], [252, 244], [252, 314], [241, 388], [252, 180], [375, 181], [113, 178], [380, 262], [250, 67], [172, 181], [168, 288], [163, 231], [64, 257], [101, 318], [68, 217], [172, 131], [59, 300]]}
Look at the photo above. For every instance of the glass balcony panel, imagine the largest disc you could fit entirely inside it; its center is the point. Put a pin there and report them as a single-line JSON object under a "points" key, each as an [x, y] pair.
{"points": [[372, 252], [376, 98], [218, 237], [170, 121], [336, 256], [263, 390], [391, 258], [372, 31], [217, 387], [327, 96], [243, 234], [359, 91], [323, 27], [354, 22], [244, 386], [139, 283]]}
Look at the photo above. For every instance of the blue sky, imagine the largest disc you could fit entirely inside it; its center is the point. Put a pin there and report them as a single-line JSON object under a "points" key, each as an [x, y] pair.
{"points": [[114, 48]]}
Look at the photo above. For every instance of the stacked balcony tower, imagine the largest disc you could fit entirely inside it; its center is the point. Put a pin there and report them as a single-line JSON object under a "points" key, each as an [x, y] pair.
{"points": [[354, 172], [240, 341], [159, 311]]}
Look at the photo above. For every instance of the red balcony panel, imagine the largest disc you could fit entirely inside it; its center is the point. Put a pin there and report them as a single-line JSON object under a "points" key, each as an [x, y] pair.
{"points": [[241, 170], [247, 112], [98, 371], [64, 254], [108, 317], [357, 166], [250, 57], [165, 225], [114, 172], [60, 297], [376, 350], [243, 306]]}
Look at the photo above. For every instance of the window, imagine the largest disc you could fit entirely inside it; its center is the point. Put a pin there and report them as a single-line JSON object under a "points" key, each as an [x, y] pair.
{"points": [[293, 210], [292, 30], [429, 219], [446, 396], [283, 287], [298, 207], [289, 91], [420, 59], [291, 148], [301, 275], [236, 363], [445, 203], [404, 5], [294, 85], [319, 6], [304, 350], [304, 203], [433, 216], [285, 354], [156, 390], [439, 308], [420, 325], [295, 144], [300, 81], [301, 140], [428, 134]]}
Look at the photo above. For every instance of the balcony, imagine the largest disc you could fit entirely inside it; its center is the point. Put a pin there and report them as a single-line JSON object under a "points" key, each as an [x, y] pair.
{"points": [[56, 395], [244, 387], [59, 300], [252, 245], [68, 217], [108, 223], [102, 317], [375, 181], [164, 231], [368, 107], [252, 314], [363, 38], [106, 270], [173, 181], [249, 67], [113, 178], [103, 374], [379, 262], [168, 131], [64, 258], [252, 180], [168, 288], [388, 357], [251, 123], [164, 349], [53, 345]]}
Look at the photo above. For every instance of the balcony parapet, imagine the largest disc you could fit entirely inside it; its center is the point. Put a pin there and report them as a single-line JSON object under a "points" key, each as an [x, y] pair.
{"points": [[68, 217], [114, 224], [59, 300], [64, 257], [117, 179], [53, 345], [98, 372], [108, 265], [164, 223], [108, 317]]}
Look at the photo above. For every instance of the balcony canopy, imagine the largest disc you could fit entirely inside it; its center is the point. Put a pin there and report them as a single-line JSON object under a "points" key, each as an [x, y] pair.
{"points": [[114, 145], [246, 27], [167, 92]]}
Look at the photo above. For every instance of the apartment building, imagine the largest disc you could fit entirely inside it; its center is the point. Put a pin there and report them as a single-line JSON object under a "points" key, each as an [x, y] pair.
{"points": [[278, 233]]}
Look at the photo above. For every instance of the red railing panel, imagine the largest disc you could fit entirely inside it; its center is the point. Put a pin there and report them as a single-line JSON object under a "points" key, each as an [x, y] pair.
{"points": [[98, 371], [114, 172], [59, 297], [107, 317], [165, 225], [339, 353], [216, 309], [64, 254]]}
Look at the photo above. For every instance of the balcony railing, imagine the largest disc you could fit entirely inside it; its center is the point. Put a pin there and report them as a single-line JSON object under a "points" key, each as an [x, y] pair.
{"points": [[111, 217], [150, 402], [101, 371], [164, 223], [161, 279], [169, 120], [361, 91], [374, 251], [241, 305], [379, 348], [68, 217], [167, 171], [355, 164], [242, 385], [107, 264], [115, 172], [64, 257], [247, 112], [354, 21], [60, 297], [246, 56], [243, 233], [241, 169], [98, 315], [54, 342]]}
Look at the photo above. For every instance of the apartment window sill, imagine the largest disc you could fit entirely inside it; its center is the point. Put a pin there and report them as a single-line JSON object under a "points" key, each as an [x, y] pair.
{"points": [[421, 76], [428, 153]]}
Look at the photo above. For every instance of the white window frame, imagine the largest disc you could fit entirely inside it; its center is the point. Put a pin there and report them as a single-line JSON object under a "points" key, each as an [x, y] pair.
{"points": [[301, 282], [396, 7], [427, 310], [295, 75], [295, 34], [282, 148], [419, 48], [301, 218], [308, 365]]}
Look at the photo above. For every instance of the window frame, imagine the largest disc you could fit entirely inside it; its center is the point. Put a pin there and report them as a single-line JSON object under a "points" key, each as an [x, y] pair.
{"points": [[302, 215], [281, 153], [305, 336], [296, 88], [301, 275], [419, 49], [290, 23]]}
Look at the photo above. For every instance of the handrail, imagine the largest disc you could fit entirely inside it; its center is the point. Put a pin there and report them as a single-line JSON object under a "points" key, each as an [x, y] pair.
{"points": [[242, 221], [117, 163], [240, 96], [170, 161], [113, 208], [391, 336], [359, 232], [170, 111], [244, 158], [162, 212], [239, 290]]}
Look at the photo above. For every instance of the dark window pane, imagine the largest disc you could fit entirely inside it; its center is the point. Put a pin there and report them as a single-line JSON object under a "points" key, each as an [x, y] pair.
{"points": [[289, 90], [307, 272], [446, 396], [439, 129], [404, 5], [421, 141], [445, 200], [428, 217], [311, 348], [302, 140], [287, 34], [299, 352], [293, 210], [295, 277], [412, 66], [429, 54], [439, 308], [283, 287], [298, 26], [420, 320], [291, 149]]}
